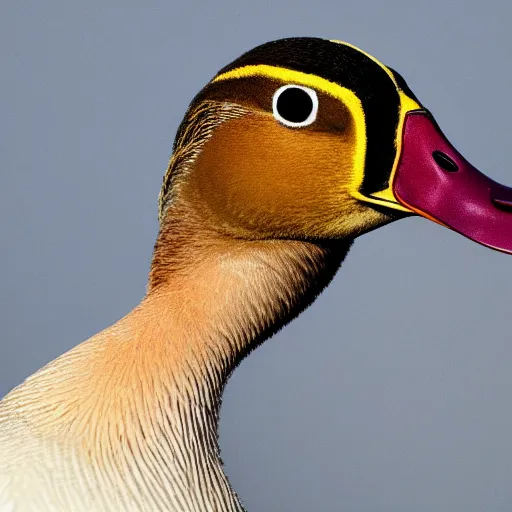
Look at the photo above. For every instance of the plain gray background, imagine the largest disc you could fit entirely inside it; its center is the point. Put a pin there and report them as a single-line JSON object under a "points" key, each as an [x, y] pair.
{"points": [[392, 393]]}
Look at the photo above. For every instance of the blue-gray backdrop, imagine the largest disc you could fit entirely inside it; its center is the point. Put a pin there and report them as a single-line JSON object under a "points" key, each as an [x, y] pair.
{"points": [[392, 393]]}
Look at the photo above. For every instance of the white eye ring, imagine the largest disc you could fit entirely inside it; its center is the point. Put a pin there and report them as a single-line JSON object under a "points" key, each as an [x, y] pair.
{"points": [[312, 115]]}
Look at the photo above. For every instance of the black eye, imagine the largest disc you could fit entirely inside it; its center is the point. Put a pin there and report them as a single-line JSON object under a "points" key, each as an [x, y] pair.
{"points": [[295, 106]]}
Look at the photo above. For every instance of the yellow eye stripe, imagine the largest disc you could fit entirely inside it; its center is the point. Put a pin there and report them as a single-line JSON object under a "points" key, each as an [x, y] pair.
{"points": [[406, 105], [346, 96], [353, 103]]}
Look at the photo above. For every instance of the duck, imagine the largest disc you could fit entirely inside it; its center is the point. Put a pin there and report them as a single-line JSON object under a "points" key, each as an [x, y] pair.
{"points": [[282, 160]]}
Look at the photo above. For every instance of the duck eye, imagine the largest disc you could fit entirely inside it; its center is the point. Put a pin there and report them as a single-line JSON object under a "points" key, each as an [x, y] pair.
{"points": [[295, 106]]}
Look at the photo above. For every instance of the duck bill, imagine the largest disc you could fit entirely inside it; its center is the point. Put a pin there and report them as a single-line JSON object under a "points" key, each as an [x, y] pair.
{"points": [[434, 180]]}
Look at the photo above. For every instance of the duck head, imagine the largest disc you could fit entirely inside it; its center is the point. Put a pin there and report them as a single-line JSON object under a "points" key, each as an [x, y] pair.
{"points": [[307, 138]]}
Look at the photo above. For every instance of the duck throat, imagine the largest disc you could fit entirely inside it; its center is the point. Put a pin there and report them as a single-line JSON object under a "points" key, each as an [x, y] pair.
{"points": [[224, 295]]}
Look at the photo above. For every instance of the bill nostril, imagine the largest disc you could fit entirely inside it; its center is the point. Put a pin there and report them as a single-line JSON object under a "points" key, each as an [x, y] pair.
{"points": [[445, 162], [503, 204]]}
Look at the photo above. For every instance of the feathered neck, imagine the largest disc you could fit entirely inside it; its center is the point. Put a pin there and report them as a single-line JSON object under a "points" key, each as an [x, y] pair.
{"points": [[138, 403]]}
